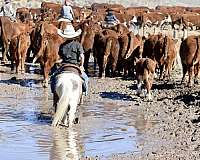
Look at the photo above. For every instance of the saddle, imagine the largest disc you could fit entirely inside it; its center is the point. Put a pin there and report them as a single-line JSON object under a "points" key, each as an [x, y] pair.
{"points": [[63, 68], [70, 68]]}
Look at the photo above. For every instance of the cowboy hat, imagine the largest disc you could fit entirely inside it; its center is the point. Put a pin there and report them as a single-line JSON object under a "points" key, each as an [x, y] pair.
{"points": [[109, 10], [69, 32], [64, 19], [7, 1], [68, 2]]}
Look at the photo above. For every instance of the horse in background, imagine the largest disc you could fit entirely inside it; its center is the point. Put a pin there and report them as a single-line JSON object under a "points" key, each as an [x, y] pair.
{"points": [[67, 96]]}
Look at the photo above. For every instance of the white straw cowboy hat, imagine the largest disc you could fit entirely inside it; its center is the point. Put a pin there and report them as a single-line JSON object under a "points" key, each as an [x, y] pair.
{"points": [[64, 19], [68, 2], [7, 1], [69, 32]]}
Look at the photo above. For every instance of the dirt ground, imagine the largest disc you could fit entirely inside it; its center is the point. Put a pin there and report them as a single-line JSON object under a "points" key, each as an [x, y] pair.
{"points": [[175, 108]]}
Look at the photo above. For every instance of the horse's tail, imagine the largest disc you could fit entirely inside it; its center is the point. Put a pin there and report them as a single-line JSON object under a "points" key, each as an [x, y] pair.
{"points": [[62, 106]]}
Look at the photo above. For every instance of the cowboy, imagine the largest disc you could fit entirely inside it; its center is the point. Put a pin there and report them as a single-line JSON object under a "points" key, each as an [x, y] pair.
{"points": [[72, 53], [110, 19], [67, 11], [7, 10]]}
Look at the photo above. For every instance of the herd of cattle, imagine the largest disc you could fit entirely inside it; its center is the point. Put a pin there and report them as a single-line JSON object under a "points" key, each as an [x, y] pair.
{"points": [[117, 51]]}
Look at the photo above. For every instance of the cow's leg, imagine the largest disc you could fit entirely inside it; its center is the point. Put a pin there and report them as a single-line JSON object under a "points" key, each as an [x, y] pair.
{"points": [[4, 53], [149, 83], [185, 69], [95, 58], [168, 68], [114, 66], [12, 53], [105, 61], [197, 73], [191, 75], [46, 74], [161, 71], [23, 65], [17, 63], [23, 60], [139, 85], [86, 61], [126, 69], [100, 64]]}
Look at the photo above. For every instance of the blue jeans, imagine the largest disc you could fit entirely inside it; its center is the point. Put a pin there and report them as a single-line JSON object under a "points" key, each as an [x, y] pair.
{"points": [[85, 83]]}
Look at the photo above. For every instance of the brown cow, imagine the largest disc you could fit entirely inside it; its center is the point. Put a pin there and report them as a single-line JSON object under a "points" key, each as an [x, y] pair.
{"points": [[54, 7], [9, 30], [134, 52], [145, 69], [193, 9], [162, 50], [35, 13], [165, 55], [107, 48], [155, 18], [22, 14], [191, 20], [175, 9], [38, 32], [104, 6], [87, 40], [18, 49], [48, 53], [190, 58]]}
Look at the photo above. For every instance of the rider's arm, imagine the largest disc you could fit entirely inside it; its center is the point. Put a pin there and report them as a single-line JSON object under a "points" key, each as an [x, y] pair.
{"points": [[82, 57], [117, 20], [71, 10]]}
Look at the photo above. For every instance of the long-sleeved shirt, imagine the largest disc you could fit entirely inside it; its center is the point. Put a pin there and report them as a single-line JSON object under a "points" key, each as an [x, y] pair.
{"points": [[8, 11], [67, 12]]}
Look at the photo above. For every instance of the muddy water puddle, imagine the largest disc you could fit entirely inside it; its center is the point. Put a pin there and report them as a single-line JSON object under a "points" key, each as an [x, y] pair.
{"points": [[25, 132]]}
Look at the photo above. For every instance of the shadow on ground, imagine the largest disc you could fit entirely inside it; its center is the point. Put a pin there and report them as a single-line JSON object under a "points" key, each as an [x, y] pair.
{"points": [[190, 98], [116, 96], [21, 82]]}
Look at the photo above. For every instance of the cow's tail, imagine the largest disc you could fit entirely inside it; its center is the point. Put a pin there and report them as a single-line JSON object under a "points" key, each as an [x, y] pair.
{"points": [[41, 50], [197, 54], [166, 50], [131, 46], [19, 46], [108, 46]]}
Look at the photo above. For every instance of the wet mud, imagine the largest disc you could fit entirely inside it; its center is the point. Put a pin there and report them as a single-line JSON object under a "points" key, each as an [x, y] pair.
{"points": [[114, 123]]}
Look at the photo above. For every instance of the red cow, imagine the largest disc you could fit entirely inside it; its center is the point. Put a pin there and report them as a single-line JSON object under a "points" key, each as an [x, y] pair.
{"points": [[190, 58], [145, 69], [48, 53], [18, 49]]}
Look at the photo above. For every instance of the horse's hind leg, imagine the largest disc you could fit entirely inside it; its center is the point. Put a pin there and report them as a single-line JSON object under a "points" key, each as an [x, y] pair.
{"points": [[60, 113], [73, 107]]}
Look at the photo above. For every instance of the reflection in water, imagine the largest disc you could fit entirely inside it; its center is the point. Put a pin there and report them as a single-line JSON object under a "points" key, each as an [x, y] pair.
{"points": [[25, 131], [64, 145]]}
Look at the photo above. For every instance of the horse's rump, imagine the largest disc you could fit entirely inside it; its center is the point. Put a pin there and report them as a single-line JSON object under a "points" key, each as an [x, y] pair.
{"points": [[68, 88]]}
